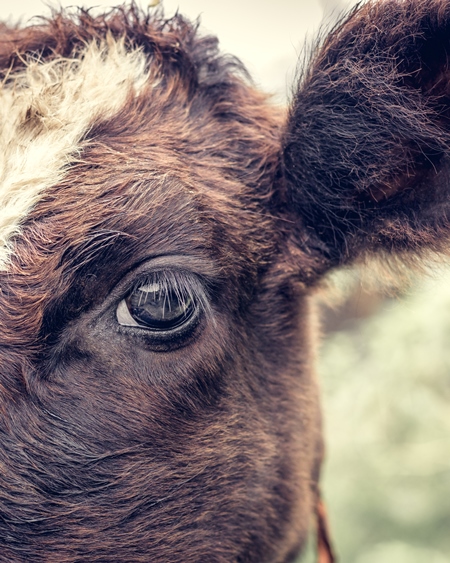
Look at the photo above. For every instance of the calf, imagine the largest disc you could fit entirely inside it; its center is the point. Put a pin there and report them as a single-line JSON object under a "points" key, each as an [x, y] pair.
{"points": [[163, 229]]}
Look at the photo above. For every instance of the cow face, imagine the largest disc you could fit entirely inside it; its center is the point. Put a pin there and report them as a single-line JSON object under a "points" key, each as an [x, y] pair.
{"points": [[163, 229], [156, 403]]}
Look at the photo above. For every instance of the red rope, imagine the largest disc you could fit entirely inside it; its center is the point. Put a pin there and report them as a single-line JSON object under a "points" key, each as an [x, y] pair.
{"points": [[325, 553]]}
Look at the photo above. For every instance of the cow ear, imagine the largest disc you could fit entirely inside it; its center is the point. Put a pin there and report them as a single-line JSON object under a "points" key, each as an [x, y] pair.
{"points": [[366, 151]]}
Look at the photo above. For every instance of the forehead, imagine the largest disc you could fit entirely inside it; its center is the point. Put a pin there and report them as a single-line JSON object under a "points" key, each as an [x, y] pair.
{"points": [[132, 139], [127, 106], [46, 109]]}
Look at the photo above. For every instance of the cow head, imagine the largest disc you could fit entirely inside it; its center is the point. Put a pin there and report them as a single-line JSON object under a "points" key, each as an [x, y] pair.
{"points": [[163, 228]]}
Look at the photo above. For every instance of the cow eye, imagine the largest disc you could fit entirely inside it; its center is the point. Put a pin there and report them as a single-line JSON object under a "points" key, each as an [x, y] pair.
{"points": [[158, 304]]}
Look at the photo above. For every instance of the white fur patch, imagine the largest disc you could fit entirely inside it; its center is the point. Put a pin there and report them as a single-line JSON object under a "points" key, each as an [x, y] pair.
{"points": [[45, 109]]}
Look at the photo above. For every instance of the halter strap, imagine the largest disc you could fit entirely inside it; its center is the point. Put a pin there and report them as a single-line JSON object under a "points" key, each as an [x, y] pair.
{"points": [[325, 553]]}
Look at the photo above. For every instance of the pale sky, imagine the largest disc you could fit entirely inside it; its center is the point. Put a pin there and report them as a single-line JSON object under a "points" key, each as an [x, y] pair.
{"points": [[268, 36]]}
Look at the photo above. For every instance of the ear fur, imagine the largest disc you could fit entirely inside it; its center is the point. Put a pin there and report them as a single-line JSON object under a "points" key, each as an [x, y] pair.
{"points": [[366, 151]]}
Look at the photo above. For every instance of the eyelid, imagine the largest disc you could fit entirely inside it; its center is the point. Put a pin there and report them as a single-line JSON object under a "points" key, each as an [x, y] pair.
{"points": [[193, 265], [206, 274]]}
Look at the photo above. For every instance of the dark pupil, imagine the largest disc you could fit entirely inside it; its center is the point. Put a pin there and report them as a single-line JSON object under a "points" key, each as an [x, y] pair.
{"points": [[158, 307]]}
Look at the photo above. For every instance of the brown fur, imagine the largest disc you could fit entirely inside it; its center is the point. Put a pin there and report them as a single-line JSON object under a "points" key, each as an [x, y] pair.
{"points": [[114, 448]]}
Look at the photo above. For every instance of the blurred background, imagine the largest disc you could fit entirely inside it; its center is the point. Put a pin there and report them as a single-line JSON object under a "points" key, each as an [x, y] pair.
{"points": [[384, 363]]}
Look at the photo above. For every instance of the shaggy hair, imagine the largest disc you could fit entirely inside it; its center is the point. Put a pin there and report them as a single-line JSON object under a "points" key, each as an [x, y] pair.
{"points": [[162, 230]]}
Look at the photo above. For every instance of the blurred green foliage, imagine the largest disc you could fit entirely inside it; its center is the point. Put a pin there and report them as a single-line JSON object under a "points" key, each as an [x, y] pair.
{"points": [[386, 400]]}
